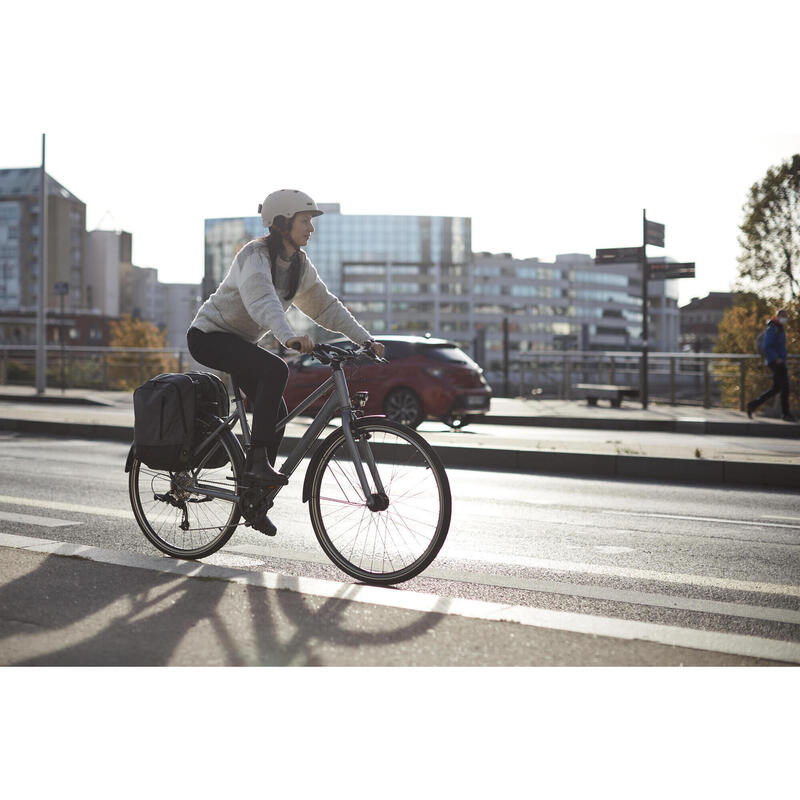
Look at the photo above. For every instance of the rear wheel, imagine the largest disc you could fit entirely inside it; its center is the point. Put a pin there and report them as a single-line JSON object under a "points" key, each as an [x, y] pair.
{"points": [[173, 511], [409, 524]]}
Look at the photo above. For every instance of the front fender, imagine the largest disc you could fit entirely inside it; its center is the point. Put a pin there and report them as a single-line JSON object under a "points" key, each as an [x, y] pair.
{"points": [[315, 459]]}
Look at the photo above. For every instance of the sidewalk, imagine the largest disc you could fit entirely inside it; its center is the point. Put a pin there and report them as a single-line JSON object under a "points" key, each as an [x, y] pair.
{"points": [[683, 443], [69, 605]]}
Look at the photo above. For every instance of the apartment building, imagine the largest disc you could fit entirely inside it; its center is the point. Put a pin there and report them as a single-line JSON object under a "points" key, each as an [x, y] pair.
{"points": [[700, 318]]}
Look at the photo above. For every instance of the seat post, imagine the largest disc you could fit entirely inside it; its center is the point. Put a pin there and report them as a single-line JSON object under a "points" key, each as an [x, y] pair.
{"points": [[240, 410]]}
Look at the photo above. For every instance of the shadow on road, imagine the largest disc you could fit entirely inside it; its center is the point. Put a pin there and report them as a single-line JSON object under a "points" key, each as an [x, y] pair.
{"points": [[63, 611]]}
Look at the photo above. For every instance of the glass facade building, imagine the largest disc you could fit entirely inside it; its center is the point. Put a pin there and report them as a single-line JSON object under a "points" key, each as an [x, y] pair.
{"points": [[418, 275], [395, 273]]}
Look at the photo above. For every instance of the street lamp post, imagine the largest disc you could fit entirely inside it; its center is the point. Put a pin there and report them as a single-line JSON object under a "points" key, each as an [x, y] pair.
{"points": [[41, 326]]}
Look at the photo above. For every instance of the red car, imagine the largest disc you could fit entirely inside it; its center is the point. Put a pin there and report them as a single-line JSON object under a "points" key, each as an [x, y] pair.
{"points": [[424, 379]]}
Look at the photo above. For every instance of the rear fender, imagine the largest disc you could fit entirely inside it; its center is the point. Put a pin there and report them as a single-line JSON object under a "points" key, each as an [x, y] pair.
{"points": [[131, 456], [317, 457]]}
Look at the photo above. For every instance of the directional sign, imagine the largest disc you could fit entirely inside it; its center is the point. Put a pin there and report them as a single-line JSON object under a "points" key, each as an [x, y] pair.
{"points": [[653, 233], [665, 271], [618, 255]]}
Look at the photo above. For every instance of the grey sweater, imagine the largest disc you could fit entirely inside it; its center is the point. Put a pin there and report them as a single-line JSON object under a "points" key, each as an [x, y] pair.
{"points": [[248, 305]]}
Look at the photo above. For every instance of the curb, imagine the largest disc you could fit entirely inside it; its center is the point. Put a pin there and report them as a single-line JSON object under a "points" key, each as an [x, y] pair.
{"points": [[53, 399], [681, 470], [687, 425]]}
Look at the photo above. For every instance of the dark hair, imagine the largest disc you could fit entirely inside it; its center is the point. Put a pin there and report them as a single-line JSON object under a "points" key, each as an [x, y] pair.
{"points": [[274, 244]]}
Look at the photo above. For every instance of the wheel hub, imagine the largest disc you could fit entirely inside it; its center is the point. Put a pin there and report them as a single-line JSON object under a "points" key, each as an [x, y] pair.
{"points": [[378, 502]]}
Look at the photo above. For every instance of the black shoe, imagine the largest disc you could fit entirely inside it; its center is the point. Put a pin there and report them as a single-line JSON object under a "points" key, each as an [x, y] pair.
{"points": [[259, 472], [254, 507], [265, 476], [751, 407], [789, 418], [265, 526]]}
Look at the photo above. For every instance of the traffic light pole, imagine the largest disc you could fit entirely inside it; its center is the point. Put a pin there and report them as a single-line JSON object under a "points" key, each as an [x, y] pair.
{"points": [[644, 390]]}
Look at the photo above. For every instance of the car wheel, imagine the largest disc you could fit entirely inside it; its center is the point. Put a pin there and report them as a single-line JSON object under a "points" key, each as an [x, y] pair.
{"points": [[402, 405]]}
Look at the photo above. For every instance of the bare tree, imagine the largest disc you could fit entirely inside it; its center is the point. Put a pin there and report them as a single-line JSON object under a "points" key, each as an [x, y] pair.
{"points": [[770, 233]]}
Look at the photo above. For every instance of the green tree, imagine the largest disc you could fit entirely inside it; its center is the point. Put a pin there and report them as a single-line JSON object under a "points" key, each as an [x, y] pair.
{"points": [[737, 333], [128, 370], [770, 233]]}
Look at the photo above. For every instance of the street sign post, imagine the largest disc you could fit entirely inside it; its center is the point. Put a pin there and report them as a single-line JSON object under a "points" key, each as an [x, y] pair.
{"points": [[667, 271], [618, 255], [653, 233]]}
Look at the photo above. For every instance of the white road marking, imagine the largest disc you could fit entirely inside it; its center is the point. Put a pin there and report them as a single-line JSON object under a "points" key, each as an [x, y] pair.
{"points": [[30, 519], [571, 589], [74, 507], [625, 596], [772, 516], [735, 644], [638, 574], [751, 523]]}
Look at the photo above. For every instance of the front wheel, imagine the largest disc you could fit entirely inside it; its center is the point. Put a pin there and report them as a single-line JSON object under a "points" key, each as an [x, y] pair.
{"points": [[173, 511], [402, 535]]}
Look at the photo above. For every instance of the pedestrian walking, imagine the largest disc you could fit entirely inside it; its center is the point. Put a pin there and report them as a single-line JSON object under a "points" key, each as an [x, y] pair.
{"points": [[267, 276], [774, 350]]}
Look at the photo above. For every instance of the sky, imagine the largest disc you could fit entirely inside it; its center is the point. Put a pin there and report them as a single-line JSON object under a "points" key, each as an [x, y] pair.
{"points": [[551, 125]]}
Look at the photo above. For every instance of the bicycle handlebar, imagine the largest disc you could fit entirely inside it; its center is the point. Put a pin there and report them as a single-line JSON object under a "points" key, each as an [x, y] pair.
{"points": [[329, 354]]}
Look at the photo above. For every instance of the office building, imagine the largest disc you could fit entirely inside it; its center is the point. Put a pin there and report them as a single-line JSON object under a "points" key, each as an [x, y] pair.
{"points": [[181, 303], [425, 258], [107, 252], [20, 241]]}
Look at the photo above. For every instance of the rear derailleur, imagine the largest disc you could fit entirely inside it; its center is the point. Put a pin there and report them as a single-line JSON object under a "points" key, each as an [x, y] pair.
{"points": [[179, 494]]}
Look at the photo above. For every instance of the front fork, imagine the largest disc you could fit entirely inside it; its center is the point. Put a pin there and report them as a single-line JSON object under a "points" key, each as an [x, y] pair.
{"points": [[361, 453]]}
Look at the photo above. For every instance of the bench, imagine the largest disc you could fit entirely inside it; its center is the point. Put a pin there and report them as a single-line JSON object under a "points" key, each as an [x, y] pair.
{"points": [[594, 391]]}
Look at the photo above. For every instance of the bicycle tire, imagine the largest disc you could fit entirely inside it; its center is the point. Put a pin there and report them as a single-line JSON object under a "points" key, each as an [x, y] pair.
{"points": [[395, 544], [212, 520]]}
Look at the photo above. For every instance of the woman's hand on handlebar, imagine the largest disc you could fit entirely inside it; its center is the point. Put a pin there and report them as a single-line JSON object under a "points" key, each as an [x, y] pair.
{"points": [[301, 343], [376, 348]]}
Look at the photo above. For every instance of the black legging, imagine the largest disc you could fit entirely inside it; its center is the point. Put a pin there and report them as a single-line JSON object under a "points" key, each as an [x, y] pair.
{"points": [[262, 376], [780, 385]]}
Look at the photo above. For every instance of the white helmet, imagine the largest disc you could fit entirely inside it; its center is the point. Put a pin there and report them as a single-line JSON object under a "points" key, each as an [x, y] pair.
{"points": [[286, 203]]}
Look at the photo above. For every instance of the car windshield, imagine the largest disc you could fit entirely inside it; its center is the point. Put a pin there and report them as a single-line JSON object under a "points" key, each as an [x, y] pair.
{"points": [[450, 353]]}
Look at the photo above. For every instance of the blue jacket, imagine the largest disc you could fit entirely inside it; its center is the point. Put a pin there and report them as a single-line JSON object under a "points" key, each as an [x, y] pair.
{"points": [[774, 343]]}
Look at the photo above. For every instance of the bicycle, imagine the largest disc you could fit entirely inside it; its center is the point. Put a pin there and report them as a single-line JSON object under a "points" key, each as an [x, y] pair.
{"points": [[378, 494]]}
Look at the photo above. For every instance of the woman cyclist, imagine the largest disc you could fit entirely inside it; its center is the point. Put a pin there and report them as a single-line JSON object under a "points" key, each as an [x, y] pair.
{"points": [[267, 276]]}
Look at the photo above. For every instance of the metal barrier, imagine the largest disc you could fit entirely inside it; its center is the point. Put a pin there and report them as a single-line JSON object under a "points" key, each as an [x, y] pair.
{"points": [[707, 379], [99, 368]]}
